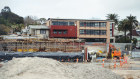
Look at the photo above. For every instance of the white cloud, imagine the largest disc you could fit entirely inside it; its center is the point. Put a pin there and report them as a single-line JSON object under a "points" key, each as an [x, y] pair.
{"points": [[73, 8]]}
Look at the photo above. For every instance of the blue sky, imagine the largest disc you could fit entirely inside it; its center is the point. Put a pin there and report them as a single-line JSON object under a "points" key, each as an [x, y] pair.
{"points": [[78, 9]]}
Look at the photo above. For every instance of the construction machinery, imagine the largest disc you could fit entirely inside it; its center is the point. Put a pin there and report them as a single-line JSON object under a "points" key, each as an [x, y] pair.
{"points": [[114, 52]]}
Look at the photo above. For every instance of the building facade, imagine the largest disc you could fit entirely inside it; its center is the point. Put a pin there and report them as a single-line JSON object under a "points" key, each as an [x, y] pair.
{"points": [[40, 31], [89, 30], [112, 26]]}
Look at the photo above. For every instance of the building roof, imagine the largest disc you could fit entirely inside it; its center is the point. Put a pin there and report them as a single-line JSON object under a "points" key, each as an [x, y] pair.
{"points": [[38, 27], [24, 30], [78, 19]]}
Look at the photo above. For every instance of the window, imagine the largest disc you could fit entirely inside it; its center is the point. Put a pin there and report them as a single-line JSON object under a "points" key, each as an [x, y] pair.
{"points": [[65, 32], [62, 23], [42, 31], [88, 32], [96, 24], [71, 23], [93, 32], [111, 24], [82, 31], [92, 24], [102, 24], [54, 22], [96, 32], [102, 32], [54, 32], [60, 32], [81, 24]]}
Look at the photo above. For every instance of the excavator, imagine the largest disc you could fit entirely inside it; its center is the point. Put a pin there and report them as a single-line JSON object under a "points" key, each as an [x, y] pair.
{"points": [[114, 52]]}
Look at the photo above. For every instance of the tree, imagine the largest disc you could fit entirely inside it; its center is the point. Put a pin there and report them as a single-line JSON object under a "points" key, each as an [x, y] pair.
{"points": [[17, 27], [132, 23], [6, 9], [4, 29], [113, 17], [30, 20], [8, 19], [123, 26], [42, 20]]}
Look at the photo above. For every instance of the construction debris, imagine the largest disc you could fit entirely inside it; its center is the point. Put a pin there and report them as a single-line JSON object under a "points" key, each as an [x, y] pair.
{"points": [[44, 68]]}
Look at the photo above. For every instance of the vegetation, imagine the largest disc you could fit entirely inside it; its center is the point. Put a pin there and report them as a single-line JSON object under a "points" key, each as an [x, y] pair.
{"points": [[132, 24], [4, 29], [123, 26], [113, 17], [8, 19], [123, 40], [127, 24]]}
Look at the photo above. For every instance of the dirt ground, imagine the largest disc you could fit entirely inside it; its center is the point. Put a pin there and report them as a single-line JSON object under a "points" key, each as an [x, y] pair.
{"points": [[128, 74], [131, 70]]}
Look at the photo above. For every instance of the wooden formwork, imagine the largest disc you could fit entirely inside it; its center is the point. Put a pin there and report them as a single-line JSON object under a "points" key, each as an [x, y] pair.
{"points": [[34, 45]]}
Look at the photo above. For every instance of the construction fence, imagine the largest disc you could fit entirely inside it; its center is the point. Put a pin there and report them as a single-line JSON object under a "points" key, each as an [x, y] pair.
{"points": [[40, 46]]}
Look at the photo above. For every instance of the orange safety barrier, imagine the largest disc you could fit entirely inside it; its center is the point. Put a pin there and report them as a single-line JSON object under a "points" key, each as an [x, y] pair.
{"points": [[68, 60], [62, 60], [124, 60], [103, 63], [77, 60], [114, 62], [121, 62]]}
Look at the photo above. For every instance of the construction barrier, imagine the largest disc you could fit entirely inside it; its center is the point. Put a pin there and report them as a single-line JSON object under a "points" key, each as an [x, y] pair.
{"points": [[121, 62], [103, 63], [114, 62]]}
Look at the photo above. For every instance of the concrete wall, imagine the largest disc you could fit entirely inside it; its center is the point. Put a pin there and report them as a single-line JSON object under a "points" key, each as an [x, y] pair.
{"points": [[96, 48], [136, 54]]}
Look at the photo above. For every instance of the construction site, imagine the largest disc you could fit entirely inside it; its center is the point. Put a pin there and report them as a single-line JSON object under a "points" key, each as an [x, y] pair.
{"points": [[65, 59]]}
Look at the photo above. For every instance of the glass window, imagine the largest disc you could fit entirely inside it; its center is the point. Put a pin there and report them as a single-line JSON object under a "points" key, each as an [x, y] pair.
{"points": [[102, 24], [92, 32], [42, 31], [71, 23], [54, 32], [88, 32], [92, 24], [96, 32], [65, 32], [54, 22], [96, 24], [111, 25], [82, 31], [63, 23], [102, 32], [81, 24], [60, 32], [88, 24]]}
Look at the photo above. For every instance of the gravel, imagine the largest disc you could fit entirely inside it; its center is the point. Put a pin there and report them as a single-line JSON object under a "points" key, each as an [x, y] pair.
{"points": [[44, 68]]}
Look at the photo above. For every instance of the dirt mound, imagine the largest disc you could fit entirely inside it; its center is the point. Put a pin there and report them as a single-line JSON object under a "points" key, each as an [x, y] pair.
{"points": [[44, 68]]}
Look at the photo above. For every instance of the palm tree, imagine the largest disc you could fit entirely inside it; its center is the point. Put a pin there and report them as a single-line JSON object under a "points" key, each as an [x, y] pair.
{"points": [[133, 23], [123, 26], [113, 17]]}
